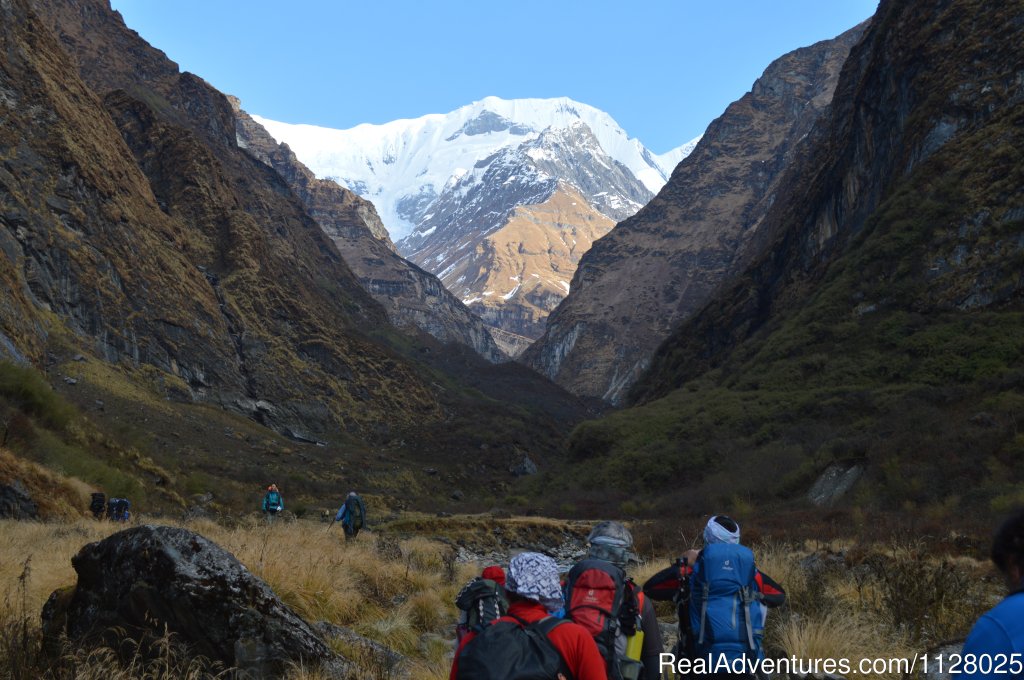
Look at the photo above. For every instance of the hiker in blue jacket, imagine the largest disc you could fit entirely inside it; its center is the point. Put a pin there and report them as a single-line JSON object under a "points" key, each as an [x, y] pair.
{"points": [[351, 514], [1000, 630], [272, 502]]}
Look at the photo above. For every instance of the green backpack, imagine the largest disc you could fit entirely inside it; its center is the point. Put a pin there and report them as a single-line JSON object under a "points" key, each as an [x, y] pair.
{"points": [[356, 511]]}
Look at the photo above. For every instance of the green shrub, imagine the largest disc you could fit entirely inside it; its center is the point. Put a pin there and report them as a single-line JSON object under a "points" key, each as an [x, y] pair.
{"points": [[25, 389]]}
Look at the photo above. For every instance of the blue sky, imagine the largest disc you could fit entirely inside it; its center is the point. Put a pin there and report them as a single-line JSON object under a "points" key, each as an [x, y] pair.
{"points": [[663, 69]]}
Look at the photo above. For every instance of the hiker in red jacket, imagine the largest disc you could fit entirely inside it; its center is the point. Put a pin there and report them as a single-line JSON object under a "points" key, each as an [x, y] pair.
{"points": [[534, 591]]}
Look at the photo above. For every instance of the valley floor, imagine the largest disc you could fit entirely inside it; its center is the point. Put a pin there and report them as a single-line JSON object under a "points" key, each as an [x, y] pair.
{"points": [[395, 585]]}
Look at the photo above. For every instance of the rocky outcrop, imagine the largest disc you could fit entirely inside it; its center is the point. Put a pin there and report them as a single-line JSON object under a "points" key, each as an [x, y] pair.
{"points": [[17, 503], [148, 580], [834, 483], [412, 298], [660, 266]]}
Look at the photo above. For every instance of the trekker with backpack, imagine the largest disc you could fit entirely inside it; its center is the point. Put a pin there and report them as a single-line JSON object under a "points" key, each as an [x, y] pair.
{"points": [[351, 514], [613, 609], [999, 633], [721, 597], [272, 502], [97, 504], [480, 602], [528, 643], [117, 510]]}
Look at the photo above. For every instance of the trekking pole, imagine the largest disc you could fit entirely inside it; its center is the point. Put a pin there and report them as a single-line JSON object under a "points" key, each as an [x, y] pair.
{"points": [[331, 524]]}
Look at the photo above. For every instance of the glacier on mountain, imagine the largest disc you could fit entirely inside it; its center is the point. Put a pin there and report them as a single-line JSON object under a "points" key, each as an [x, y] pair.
{"points": [[405, 165]]}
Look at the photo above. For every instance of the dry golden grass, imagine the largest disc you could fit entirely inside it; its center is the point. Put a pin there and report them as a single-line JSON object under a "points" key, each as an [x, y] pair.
{"points": [[400, 592], [838, 634], [405, 603]]}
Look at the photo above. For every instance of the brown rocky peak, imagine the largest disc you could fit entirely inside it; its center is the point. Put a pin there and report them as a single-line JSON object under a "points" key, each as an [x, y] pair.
{"points": [[517, 274]]}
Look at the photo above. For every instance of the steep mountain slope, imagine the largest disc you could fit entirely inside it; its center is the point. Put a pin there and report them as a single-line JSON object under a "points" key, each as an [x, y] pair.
{"points": [[177, 293], [282, 317], [412, 298], [449, 183], [883, 326], [661, 265]]}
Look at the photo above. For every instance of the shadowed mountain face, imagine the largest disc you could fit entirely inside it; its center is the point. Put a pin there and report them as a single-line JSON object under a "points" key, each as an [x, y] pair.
{"points": [[881, 326], [661, 265], [134, 219], [412, 298]]}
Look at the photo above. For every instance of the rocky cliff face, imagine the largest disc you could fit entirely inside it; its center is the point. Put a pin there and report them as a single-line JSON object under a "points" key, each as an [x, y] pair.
{"points": [[661, 265], [920, 85], [412, 298], [880, 326], [132, 223]]}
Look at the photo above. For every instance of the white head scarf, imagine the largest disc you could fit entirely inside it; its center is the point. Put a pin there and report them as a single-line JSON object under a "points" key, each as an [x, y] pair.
{"points": [[535, 577], [716, 533]]}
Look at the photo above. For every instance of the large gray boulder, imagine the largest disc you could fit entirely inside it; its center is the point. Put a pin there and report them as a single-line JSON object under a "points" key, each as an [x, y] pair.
{"points": [[141, 580]]}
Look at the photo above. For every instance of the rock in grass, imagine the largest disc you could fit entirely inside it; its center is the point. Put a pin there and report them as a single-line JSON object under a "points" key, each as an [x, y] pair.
{"points": [[16, 502], [141, 581]]}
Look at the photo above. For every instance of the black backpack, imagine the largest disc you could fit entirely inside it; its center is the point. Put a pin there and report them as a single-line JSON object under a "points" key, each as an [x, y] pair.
{"points": [[673, 584], [506, 650], [98, 503], [483, 600]]}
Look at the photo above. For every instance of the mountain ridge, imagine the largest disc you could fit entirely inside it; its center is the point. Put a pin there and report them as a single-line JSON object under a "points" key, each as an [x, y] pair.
{"points": [[659, 266], [338, 154]]}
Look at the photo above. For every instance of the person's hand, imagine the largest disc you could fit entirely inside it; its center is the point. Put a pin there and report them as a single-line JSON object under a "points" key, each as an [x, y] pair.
{"points": [[690, 556]]}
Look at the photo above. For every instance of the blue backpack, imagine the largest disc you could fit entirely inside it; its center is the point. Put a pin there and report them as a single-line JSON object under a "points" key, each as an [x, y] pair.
{"points": [[726, 616]]}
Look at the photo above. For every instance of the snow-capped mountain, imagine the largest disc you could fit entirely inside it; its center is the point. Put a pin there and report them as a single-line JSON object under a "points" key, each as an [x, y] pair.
{"points": [[400, 165], [452, 188]]}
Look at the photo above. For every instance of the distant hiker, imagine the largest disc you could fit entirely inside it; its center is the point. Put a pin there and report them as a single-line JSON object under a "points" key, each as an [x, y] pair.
{"points": [[528, 642], [612, 608], [721, 596], [999, 633], [97, 505], [272, 502], [480, 602], [118, 510], [351, 514]]}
